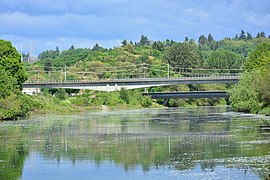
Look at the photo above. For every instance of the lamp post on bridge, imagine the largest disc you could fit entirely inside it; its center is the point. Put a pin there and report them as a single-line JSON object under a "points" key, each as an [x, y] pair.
{"points": [[168, 68], [65, 73]]}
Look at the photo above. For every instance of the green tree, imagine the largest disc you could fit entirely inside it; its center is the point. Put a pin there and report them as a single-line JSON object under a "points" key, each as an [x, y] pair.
{"points": [[8, 84], [183, 55], [245, 96], [224, 59], [210, 37], [10, 61], [124, 43], [264, 85], [249, 36], [158, 46], [57, 51], [124, 95], [61, 94], [242, 35], [252, 93], [144, 41], [72, 47], [202, 40], [259, 57]]}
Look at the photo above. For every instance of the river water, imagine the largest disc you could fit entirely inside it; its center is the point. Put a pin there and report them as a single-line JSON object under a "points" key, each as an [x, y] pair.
{"points": [[171, 143]]}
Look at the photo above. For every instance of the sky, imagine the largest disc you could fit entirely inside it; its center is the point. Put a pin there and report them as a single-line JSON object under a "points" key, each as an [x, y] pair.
{"points": [[39, 25]]}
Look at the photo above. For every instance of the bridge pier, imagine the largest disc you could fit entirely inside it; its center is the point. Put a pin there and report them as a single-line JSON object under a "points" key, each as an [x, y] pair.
{"points": [[166, 102]]}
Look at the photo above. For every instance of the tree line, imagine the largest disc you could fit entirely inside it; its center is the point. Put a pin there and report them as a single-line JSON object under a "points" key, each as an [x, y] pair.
{"points": [[146, 58]]}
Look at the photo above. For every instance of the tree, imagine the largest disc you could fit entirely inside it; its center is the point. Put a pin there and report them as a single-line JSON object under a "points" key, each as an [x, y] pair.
{"points": [[129, 48], [224, 59], [124, 43], [242, 35], [61, 94], [186, 39], [261, 35], [244, 96], [47, 65], [249, 36], [57, 50], [96, 47], [72, 47], [8, 84], [10, 62], [259, 57], [252, 93], [144, 41], [210, 37], [183, 55], [202, 40], [264, 85], [158, 46], [124, 95]]}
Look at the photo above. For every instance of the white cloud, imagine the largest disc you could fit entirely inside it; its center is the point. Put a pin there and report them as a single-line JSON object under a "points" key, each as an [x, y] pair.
{"points": [[257, 20], [114, 20]]}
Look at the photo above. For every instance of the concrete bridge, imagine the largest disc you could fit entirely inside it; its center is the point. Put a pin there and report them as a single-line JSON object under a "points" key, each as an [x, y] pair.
{"points": [[117, 84], [190, 94]]}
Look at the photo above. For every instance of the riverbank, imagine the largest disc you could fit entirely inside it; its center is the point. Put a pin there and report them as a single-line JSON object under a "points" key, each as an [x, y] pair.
{"points": [[22, 105]]}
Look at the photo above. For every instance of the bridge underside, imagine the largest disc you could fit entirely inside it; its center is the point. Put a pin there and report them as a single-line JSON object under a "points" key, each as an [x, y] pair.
{"points": [[191, 94], [116, 85]]}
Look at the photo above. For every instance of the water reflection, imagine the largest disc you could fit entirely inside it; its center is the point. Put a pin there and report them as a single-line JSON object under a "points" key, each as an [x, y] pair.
{"points": [[191, 141]]}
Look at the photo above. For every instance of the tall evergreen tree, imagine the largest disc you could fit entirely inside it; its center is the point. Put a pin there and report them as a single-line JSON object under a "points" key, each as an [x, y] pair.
{"points": [[242, 35], [249, 36], [72, 47], [262, 34], [96, 47], [57, 50], [210, 37], [124, 42], [202, 40], [144, 41]]}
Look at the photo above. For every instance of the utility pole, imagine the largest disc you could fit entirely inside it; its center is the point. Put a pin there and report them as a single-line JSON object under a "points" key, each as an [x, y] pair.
{"points": [[65, 73], [144, 68], [168, 68], [21, 54]]}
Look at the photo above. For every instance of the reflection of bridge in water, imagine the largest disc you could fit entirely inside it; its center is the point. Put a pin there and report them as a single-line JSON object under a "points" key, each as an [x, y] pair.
{"points": [[109, 85]]}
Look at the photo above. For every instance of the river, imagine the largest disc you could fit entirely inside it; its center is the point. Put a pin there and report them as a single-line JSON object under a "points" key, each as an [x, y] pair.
{"points": [[170, 143]]}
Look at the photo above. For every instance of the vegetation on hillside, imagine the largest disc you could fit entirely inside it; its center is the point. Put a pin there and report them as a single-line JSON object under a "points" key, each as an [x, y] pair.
{"points": [[143, 59]]}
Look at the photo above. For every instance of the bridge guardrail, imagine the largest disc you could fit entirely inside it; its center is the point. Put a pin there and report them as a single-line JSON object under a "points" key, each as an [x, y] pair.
{"points": [[221, 76]]}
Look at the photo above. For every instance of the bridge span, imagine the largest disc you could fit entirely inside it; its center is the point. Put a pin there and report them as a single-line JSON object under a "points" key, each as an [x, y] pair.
{"points": [[190, 94], [117, 84]]}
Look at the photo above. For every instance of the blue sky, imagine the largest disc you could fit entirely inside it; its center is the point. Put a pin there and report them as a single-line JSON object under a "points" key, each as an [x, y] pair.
{"points": [[45, 24]]}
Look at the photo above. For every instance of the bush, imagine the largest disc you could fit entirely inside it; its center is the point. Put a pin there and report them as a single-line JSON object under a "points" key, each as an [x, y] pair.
{"points": [[244, 96], [146, 101], [15, 106], [61, 94]]}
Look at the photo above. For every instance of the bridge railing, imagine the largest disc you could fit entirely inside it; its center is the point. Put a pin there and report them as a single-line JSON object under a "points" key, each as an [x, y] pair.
{"points": [[198, 76]]}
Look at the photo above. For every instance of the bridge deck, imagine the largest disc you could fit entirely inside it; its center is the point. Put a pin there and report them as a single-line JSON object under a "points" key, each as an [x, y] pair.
{"points": [[191, 94], [117, 84]]}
